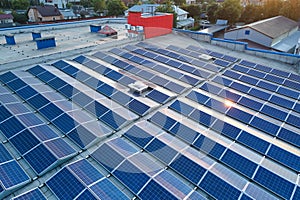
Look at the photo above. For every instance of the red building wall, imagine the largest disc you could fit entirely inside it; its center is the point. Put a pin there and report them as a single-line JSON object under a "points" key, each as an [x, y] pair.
{"points": [[153, 25]]}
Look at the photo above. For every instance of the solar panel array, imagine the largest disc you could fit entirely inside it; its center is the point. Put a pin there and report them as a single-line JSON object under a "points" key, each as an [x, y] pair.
{"points": [[221, 129]]}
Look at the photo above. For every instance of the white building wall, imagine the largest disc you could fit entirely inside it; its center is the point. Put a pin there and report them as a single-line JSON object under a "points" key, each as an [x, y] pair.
{"points": [[249, 34], [59, 3]]}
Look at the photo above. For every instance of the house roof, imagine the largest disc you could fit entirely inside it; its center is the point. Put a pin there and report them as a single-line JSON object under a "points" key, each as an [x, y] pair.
{"points": [[107, 30], [148, 8], [47, 10], [6, 16], [272, 27]]}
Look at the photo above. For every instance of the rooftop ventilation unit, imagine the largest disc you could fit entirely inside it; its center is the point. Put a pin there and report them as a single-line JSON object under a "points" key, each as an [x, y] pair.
{"points": [[205, 57], [138, 87]]}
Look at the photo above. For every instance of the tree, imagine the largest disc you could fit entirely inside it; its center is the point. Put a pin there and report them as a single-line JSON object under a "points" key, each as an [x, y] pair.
{"points": [[19, 18], [179, 2], [99, 5], [86, 3], [168, 8], [271, 8], [116, 7], [193, 9], [5, 4], [290, 9], [211, 11], [20, 4], [230, 10], [251, 13]]}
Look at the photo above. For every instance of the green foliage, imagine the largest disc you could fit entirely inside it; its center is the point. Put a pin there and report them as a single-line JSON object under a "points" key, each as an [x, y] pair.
{"points": [[166, 7], [179, 2], [251, 13], [69, 5], [19, 18], [20, 4], [86, 3], [291, 9], [193, 9], [230, 10], [211, 11], [116, 7], [5, 4], [99, 5]]}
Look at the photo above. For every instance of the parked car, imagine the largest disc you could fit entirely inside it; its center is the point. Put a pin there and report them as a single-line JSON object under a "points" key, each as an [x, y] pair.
{"points": [[205, 22]]}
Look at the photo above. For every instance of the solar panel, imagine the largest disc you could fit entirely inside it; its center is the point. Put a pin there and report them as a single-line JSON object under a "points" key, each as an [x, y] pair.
{"points": [[46, 76], [247, 63], [162, 120], [160, 192], [296, 193], [36, 70], [184, 132], [189, 80], [174, 63], [106, 90], [264, 125], [240, 68], [113, 120], [285, 157], [159, 80], [65, 123], [7, 77], [198, 97], [289, 136], [138, 107], [240, 87], [248, 79], [222, 80], [196, 196], [260, 94], [11, 174], [239, 163], [127, 173], [256, 73], [232, 74], [60, 148], [288, 92], [65, 179], [174, 74], [106, 190], [202, 117], [292, 84], [216, 105], [50, 111], [219, 189], [253, 142], [209, 147], [125, 80], [280, 73], [250, 103], [16, 84], [145, 74], [80, 59], [11, 127], [188, 168], [138, 136], [294, 77], [72, 71], [43, 132], [161, 151], [57, 83], [38, 101], [158, 96], [174, 87], [82, 99], [211, 88], [34, 194], [161, 68], [275, 183], [226, 129], [293, 120], [267, 85], [239, 115], [181, 107], [222, 63], [24, 141], [229, 95], [274, 112], [4, 154], [274, 79], [4, 113], [263, 68]]}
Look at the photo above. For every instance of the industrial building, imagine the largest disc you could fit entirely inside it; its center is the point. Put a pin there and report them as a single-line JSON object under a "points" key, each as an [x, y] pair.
{"points": [[168, 117]]}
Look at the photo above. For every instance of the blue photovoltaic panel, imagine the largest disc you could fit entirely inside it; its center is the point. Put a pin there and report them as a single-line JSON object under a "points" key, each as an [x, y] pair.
{"points": [[189, 80], [282, 101], [181, 107], [155, 191], [80, 59], [72, 71], [113, 119], [297, 194], [202, 117], [40, 158], [87, 194], [36, 70], [256, 73], [173, 184], [188, 168], [294, 77], [46, 76], [174, 63], [162, 120], [96, 108], [229, 58], [62, 64], [38, 101], [260, 94], [138, 107], [145, 74], [267, 85], [16, 84], [60, 148], [81, 136], [232, 74], [51, 111], [248, 79], [161, 68], [66, 180], [106, 90], [229, 95], [187, 68], [201, 73], [26, 92], [292, 84], [184, 132], [209, 146], [85, 171], [285, 157], [159, 80], [240, 87], [65, 123], [211, 88], [275, 183], [11, 127], [93, 82], [274, 79], [274, 112], [226, 129], [287, 92], [138, 136], [125, 80], [264, 125], [82, 99], [247, 63], [239, 163], [57, 83], [250, 103], [4, 113], [253, 142], [8, 98], [43, 132], [128, 174], [289, 136], [158, 96], [121, 98], [293, 120], [239, 115], [17, 108], [68, 91], [35, 194], [24, 141], [121, 64], [175, 87], [197, 196], [222, 80], [107, 157], [263, 68], [222, 63], [30, 119], [7, 77], [218, 188], [4, 154], [161, 151], [198, 97], [216, 105], [106, 190], [11, 174], [114, 75]]}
